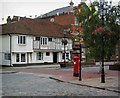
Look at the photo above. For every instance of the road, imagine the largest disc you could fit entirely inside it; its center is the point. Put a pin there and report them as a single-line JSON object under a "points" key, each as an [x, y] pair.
{"points": [[28, 84]]}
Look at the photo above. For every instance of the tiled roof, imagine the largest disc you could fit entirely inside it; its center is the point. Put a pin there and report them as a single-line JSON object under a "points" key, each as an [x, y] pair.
{"points": [[59, 11], [36, 27]]}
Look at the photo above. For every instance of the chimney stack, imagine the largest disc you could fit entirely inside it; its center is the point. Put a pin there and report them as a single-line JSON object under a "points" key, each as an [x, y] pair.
{"points": [[9, 19]]}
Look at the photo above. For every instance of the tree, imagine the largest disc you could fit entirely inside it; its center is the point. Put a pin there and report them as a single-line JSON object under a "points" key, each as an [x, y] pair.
{"points": [[96, 31]]}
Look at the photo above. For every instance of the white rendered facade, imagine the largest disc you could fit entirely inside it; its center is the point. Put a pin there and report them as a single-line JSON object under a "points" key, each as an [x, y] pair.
{"points": [[28, 49]]}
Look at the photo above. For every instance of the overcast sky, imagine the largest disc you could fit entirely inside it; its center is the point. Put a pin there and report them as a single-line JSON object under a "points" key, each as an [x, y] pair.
{"points": [[30, 8]]}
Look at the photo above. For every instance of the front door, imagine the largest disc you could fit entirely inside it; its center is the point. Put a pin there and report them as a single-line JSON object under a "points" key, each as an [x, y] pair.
{"points": [[29, 57], [54, 57]]}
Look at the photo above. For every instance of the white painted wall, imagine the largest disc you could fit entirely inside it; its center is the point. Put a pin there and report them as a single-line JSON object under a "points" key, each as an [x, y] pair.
{"points": [[14, 59], [0, 43], [29, 57], [0, 58], [5, 48], [28, 47], [6, 43], [28, 50], [56, 43], [48, 58], [0, 49], [16, 48], [5, 62], [69, 46], [59, 57], [34, 58]]}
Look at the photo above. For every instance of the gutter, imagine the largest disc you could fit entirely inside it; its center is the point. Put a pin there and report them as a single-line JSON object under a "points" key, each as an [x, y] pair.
{"points": [[10, 50]]}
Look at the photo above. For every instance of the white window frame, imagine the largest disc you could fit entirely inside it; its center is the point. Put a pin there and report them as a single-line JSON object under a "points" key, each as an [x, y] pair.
{"points": [[7, 56], [43, 40], [19, 57], [39, 55], [67, 56], [22, 39], [23, 58]]}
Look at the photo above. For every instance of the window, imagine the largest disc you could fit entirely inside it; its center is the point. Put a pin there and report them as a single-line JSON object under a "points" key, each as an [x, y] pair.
{"points": [[7, 56], [67, 56], [22, 57], [47, 53], [17, 57], [63, 56], [21, 39], [52, 20], [37, 38], [39, 56], [50, 39], [43, 41]]}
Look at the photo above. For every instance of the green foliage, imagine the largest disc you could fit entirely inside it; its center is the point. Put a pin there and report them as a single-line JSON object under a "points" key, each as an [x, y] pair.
{"points": [[108, 35], [85, 13]]}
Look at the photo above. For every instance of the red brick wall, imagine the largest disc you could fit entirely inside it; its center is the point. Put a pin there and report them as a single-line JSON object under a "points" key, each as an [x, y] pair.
{"points": [[66, 19]]}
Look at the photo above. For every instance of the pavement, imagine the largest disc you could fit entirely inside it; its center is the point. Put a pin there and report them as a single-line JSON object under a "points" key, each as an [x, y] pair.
{"points": [[90, 78]]}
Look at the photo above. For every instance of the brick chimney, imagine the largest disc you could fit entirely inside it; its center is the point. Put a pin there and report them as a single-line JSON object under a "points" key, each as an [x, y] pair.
{"points": [[9, 19]]}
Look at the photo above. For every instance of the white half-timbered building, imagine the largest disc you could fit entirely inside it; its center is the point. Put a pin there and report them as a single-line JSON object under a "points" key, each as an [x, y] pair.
{"points": [[32, 41]]}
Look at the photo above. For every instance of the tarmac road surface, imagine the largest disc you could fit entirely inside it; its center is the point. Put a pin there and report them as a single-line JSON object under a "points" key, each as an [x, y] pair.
{"points": [[29, 84]]}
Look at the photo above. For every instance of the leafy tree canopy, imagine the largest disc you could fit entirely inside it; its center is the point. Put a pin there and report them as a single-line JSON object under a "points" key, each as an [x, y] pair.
{"points": [[99, 28]]}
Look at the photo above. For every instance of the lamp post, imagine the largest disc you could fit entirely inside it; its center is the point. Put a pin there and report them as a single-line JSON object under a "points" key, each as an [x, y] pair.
{"points": [[118, 27], [103, 9], [102, 57], [64, 41], [80, 49], [64, 49], [80, 62]]}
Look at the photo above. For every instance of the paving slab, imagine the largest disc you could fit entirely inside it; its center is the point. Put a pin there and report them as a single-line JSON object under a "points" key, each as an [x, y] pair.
{"points": [[111, 83]]}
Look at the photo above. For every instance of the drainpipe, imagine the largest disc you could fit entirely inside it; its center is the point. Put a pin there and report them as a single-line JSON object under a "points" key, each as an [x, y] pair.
{"points": [[10, 50]]}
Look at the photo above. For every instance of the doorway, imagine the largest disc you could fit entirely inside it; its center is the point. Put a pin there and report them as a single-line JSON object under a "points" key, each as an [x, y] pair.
{"points": [[54, 57]]}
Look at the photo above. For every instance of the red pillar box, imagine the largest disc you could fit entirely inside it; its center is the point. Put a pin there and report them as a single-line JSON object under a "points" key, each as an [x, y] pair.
{"points": [[76, 65]]}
